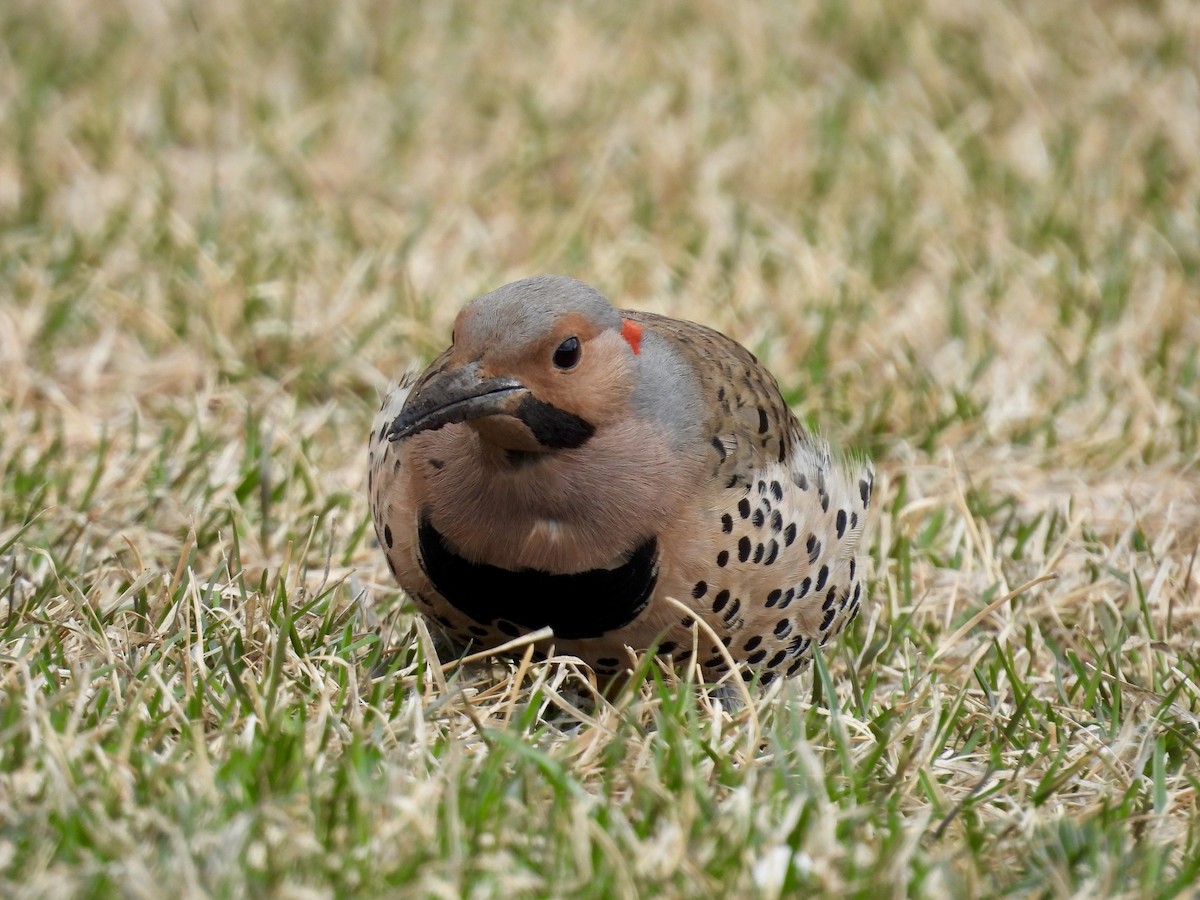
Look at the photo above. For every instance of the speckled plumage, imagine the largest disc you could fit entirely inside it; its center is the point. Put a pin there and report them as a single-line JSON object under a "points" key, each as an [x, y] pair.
{"points": [[695, 482]]}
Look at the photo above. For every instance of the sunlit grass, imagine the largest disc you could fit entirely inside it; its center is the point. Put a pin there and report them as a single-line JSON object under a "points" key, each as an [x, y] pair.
{"points": [[965, 237]]}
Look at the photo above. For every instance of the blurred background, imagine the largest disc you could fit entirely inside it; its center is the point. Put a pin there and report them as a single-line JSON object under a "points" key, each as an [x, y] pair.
{"points": [[308, 192]]}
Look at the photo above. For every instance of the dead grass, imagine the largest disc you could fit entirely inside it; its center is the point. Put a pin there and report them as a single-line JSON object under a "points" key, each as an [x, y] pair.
{"points": [[966, 237]]}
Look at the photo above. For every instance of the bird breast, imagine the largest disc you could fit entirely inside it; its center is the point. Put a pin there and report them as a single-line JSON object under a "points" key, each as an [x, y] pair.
{"points": [[561, 512]]}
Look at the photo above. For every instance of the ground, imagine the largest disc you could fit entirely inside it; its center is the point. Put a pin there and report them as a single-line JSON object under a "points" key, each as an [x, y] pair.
{"points": [[966, 237]]}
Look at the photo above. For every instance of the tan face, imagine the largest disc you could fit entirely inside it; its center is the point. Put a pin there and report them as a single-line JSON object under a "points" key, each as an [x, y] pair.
{"points": [[573, 365], [536, 366]]}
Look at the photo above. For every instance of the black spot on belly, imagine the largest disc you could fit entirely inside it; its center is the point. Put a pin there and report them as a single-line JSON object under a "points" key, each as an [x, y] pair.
{"points": [[743, 549], [506, 627], [719, 601], [734, 609], [579, 605], [727, 523], [822, 576], [700, 589], [387, 535]]}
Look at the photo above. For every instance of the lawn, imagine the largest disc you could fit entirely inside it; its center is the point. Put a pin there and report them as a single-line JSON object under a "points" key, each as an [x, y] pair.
{"points": [[965, 236]]}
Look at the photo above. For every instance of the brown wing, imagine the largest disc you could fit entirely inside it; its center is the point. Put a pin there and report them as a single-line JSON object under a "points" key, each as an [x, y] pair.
{"points": [[749, 424]]}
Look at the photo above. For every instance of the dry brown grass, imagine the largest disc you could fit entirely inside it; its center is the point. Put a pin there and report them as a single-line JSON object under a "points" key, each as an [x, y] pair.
{"points": [[965, 236]]}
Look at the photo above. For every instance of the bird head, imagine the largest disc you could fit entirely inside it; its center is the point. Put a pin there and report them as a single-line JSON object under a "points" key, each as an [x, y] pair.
{"points": [[535, 366]]}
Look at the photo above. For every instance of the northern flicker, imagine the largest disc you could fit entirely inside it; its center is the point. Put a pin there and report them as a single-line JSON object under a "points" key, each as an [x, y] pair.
{"points": [[568, 464]]}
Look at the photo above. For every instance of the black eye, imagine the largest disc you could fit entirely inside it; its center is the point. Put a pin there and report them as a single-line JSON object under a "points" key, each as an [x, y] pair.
{"points": [[567, 354]]}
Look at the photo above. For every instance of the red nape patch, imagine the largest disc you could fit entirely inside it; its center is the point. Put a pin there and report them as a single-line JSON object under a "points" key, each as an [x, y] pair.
{"points": [[632, 332]]}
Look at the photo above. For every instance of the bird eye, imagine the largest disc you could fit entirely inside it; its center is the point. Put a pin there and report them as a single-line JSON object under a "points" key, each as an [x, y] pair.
{"points": [[567, 354]]}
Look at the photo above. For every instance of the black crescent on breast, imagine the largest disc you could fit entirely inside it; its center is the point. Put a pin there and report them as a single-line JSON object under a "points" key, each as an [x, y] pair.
{"points": [[579, 605]]}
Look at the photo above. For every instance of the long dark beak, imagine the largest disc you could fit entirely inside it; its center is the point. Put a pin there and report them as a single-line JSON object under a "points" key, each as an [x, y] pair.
{"points": [[456, 396]]}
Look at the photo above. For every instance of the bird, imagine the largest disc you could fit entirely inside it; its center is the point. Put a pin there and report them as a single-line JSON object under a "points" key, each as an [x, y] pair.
{"points": [[630, 481]]}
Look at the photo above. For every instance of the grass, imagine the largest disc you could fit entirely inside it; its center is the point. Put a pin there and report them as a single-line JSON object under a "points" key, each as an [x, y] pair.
{"points": [[966, 238]]}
